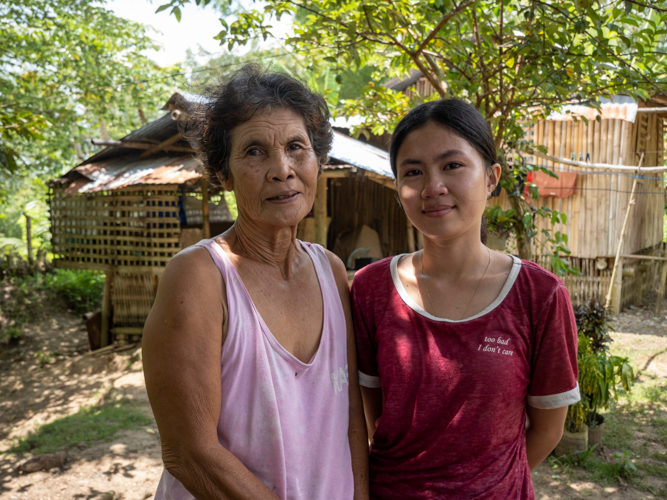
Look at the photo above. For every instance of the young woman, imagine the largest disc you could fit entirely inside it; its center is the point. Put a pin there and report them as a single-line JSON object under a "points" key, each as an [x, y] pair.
{"points": [[457, 344]]}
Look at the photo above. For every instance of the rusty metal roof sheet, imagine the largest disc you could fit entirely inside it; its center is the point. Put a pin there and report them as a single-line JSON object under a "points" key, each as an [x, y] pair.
{"points": [[121, 172], [354, 152]]}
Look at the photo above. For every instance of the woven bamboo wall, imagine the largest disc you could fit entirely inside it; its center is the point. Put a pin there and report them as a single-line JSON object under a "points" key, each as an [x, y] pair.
{"points": [[136, 227], [595, 214]]}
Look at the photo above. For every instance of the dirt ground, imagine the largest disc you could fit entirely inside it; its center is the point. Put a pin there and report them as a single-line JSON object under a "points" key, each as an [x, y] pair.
{"points": [[129, 466]]}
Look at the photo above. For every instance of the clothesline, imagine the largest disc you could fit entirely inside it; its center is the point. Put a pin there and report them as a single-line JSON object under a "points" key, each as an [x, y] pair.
{"points": [[602, 166]]}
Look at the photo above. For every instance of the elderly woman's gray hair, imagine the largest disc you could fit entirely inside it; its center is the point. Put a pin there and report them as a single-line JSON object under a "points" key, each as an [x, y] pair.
{"points": [[236, 99]]}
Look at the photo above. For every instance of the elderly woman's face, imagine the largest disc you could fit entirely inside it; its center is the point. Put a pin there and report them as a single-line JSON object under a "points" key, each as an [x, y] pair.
{"points": [[273, 168]]}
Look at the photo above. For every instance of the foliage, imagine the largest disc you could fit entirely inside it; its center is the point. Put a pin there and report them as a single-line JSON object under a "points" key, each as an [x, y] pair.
{"points": [[593, 322], [600, 374], [27, 297], [44, 358], [70, 70], [89, 424], [515, 61], [81, 289]]}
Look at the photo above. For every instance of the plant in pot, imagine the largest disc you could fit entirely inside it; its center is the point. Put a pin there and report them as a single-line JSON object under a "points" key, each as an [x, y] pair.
{"points": [[499, 226], [575, 434], [600, 373]]}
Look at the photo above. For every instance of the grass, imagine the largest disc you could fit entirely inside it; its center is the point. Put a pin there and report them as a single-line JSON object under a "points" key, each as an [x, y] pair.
{"points": [[634, 426], [88, 425]]}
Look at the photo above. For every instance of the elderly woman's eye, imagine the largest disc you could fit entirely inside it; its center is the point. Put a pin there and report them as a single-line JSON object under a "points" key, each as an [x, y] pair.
{"points": [[253, 152], [294, 147]]}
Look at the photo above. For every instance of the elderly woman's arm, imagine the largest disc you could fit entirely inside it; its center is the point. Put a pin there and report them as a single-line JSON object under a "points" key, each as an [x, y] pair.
{"points": [[182, 346], [357, 431]]}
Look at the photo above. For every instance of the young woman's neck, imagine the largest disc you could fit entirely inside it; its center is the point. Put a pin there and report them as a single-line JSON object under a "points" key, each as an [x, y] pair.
{"points": [[275, 246], [451, 259]]}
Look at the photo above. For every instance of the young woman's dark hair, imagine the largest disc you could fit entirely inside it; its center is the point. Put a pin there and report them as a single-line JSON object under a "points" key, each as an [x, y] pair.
{"points": [[460, 118], [457, 116], [236, 99]]}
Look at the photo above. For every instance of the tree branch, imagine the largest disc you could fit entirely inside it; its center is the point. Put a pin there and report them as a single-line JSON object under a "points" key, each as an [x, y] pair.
{"points": [[460, 7]]}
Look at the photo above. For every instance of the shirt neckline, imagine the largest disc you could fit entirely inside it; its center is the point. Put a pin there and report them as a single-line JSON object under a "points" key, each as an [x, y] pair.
{"points": [[277, 346], [402, 292]]}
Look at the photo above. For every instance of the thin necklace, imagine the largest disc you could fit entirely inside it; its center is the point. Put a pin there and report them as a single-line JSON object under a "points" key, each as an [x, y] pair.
{"points": [[428, 292]]}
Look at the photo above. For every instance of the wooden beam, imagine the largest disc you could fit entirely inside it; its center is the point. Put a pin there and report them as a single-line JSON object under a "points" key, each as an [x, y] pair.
{"points": [[163, 146], [595, 166], [106, 309], [661, 288], [320, 210], [139, 145]]}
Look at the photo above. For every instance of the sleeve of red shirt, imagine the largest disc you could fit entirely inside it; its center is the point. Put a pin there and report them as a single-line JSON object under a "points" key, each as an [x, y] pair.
{"points": [[554, 367], [364, 332]]}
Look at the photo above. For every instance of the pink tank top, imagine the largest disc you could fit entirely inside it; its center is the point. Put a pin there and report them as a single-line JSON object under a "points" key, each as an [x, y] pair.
{"points": [[286, 420]]}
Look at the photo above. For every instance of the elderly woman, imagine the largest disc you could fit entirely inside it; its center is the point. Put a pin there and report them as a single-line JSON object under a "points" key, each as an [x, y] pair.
{"points": [[248, 351]]}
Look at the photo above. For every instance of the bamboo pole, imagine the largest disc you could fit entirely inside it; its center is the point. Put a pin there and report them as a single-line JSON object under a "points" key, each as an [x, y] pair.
{"points": [[617, 261], [320, 212], [661, 289]]}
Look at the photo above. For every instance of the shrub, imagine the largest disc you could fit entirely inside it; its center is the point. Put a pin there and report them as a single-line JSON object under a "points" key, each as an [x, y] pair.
{"points": [[82, 290]]}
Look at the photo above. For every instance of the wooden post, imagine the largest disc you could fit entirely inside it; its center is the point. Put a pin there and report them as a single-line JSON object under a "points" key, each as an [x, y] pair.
{"points": [[661, 289], [411, 236], [617, 262], [204, 208], [320, 210], [28, 236], [105, 339]]}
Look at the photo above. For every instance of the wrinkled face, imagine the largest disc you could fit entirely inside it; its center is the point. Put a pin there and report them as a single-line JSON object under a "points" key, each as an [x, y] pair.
{"points": [[442, 182], [273, 168]]}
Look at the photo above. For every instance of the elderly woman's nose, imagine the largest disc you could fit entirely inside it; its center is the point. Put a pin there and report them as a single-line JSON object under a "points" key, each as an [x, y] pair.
{"points": [[280, 167]]}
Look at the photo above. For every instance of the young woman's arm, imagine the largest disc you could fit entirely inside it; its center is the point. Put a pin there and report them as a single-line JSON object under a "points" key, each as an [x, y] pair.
{"points": [[545, 428], [356, 433], [372, 408]]}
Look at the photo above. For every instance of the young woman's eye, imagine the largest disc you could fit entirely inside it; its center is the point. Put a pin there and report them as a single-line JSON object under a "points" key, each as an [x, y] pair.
{"points": [[411, 173], [453, 166]]}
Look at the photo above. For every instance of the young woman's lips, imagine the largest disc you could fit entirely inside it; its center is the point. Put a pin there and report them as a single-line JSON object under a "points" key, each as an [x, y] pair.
{"points": [[437, 210], [288, 197]]}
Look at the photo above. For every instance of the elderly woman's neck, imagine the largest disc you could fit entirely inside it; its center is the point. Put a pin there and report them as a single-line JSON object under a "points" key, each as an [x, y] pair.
{"points": [[276, 247]]}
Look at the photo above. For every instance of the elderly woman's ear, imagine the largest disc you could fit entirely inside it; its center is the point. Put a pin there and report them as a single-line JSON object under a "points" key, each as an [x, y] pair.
{"points": [[227, 183]]}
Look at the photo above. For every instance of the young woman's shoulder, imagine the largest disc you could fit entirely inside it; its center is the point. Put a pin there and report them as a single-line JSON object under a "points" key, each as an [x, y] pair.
{"points": [[373, 275], [541, 283]]}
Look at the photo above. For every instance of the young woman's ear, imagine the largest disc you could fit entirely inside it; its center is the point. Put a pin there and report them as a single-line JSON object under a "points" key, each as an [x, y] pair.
{"points": [[493, 177]]}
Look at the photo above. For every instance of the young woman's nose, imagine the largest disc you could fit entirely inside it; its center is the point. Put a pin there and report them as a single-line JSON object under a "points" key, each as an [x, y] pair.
{"points": [[280, 167], [434, 186]]}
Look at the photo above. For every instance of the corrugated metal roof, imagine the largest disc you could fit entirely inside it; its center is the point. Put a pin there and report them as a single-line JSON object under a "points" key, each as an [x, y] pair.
{"points": [[354, 152], [118, 173]]}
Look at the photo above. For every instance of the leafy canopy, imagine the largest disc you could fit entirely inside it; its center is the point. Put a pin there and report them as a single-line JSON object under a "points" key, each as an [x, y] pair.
{"points": [[514, 60]]}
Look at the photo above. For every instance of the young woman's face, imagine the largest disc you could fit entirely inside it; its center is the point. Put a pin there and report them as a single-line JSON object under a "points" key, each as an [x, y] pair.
{"points": [[442, 182]]}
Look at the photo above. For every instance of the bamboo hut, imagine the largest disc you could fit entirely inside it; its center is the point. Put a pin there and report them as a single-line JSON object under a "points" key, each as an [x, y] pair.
{"points": [[595, 199], [130, 208]]}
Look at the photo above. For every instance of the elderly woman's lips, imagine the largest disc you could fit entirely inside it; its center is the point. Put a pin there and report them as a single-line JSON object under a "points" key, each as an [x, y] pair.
{"points": [[284, 197]]}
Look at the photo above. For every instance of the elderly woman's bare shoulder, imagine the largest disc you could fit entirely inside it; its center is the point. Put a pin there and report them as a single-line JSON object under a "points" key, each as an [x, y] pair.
{"points": [[338, 269], [191, 271]]}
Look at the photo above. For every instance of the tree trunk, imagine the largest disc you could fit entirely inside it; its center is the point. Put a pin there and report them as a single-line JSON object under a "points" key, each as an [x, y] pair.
{"points": [[523, 240]]}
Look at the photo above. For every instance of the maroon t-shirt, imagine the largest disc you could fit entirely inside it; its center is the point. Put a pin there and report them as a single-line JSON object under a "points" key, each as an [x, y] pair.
{"points": [[455, 392]]}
